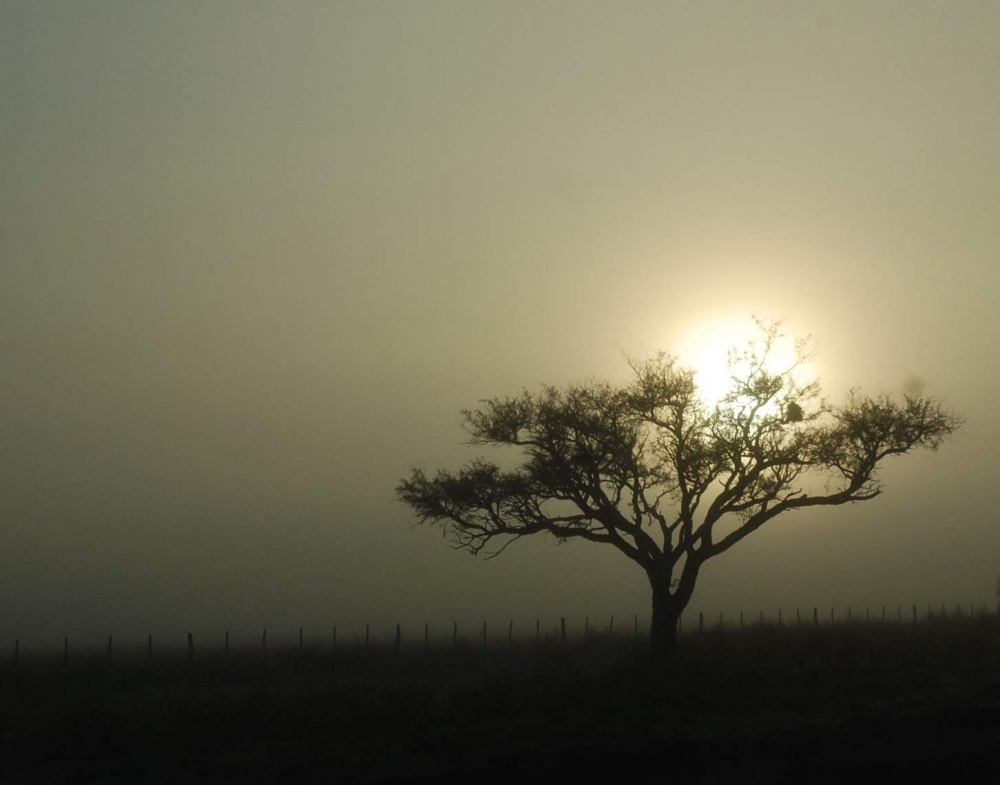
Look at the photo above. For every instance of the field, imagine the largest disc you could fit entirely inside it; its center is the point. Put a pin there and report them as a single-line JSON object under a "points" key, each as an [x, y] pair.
{"points": [[759, 704]]}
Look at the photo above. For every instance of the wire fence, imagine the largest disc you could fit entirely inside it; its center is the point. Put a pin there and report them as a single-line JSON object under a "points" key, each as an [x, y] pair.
{"points": [[370, 640]]}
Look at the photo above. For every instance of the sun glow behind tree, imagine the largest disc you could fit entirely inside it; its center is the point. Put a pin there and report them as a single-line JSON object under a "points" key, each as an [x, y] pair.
{"points": [[710, 350]]}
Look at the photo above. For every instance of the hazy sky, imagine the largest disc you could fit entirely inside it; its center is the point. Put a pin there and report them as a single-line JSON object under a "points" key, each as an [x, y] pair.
{"points": [[255, 257]]}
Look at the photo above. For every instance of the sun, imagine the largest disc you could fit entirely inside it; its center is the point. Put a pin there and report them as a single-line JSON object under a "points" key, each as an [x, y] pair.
{"points": [[705, 349]]}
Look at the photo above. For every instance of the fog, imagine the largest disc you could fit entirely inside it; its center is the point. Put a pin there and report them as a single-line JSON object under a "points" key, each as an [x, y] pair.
{"points": [[255, 259]]}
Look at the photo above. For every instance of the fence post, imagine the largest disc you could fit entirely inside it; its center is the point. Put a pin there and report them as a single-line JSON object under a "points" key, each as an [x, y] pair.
{"points": [[741, 620], [831, 614], [848, 614], [815, 616], [586, 627], [761, 618], [899, 614]]}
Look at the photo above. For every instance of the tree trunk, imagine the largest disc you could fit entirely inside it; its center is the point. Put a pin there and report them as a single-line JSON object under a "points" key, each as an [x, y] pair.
{"points": [[663, 628]]}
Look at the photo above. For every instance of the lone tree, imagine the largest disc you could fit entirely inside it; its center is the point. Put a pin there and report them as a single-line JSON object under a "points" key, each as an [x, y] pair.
{"points": [[652, 470]]}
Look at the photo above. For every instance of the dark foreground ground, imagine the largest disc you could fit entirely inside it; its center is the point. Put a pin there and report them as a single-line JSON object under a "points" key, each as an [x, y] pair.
{"points": [[770, 705]]}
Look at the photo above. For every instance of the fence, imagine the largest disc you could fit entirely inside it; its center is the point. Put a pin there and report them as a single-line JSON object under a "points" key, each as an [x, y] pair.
{"points": [[373, 642], [852, 615]]}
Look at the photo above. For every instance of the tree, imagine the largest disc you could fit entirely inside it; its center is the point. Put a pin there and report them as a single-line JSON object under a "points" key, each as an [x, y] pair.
{"points": [[652, 470]]}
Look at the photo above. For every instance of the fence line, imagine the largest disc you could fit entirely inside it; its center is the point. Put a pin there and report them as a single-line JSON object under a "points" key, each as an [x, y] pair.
{"points": [[560, 635]]}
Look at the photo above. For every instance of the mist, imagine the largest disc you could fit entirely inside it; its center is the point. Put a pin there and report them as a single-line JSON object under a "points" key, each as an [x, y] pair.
{"points": [[254, 261]]}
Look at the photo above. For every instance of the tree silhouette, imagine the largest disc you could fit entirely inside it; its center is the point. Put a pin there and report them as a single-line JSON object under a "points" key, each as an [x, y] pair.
{"points": [[650, 469]]}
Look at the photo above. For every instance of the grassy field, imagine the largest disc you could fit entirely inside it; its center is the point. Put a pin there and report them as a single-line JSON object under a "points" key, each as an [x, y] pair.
{"points": [[759, 704]]}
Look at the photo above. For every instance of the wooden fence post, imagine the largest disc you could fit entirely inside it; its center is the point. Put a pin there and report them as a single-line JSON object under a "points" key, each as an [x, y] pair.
{"points": [[815, 617]]}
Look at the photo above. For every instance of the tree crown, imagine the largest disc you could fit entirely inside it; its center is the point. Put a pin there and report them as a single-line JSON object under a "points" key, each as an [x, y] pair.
{"points": [[652, 469]]}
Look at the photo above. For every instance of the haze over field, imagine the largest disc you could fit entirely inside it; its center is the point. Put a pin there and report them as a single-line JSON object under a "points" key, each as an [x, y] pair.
{"points": [[255, 258]]}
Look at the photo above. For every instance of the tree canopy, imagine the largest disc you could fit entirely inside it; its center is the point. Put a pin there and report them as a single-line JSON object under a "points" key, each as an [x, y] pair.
{"points": [[651, 469]]}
